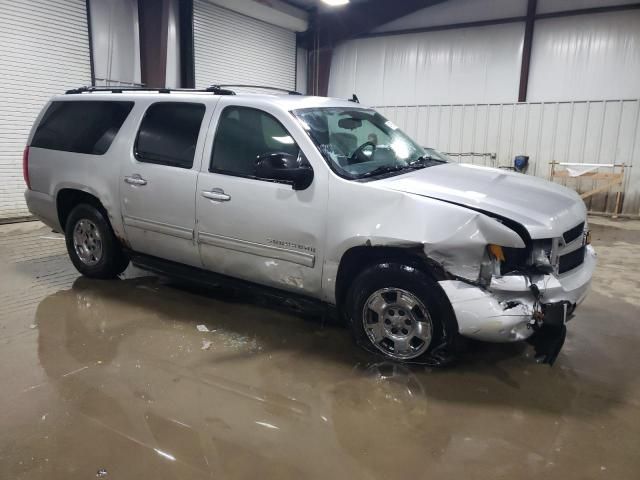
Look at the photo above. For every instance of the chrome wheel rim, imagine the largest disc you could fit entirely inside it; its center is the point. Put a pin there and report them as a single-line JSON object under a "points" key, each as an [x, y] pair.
{"points": [[397, 323], [87, 242]]}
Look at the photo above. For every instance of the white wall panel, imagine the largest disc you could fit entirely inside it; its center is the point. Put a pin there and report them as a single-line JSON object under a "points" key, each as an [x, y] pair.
{"points": [[586, 57], [44, 50], [116, 41], [457, 11], [548, 6], [172, 71], [370, 65], [342, 79], [233, 48], [454, 66], [581, 132]]}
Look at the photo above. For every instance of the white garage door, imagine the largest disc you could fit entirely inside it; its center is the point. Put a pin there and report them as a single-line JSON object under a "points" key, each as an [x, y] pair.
{"points": [[44, 50], [233, 48]]}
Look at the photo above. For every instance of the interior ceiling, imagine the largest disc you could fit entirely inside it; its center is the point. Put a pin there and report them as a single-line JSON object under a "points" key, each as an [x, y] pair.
{"points": [[336, 24], [310, 4]]}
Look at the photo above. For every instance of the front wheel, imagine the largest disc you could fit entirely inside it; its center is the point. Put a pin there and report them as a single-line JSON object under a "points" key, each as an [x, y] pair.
{"points": [[91, 244], [399, 311]]}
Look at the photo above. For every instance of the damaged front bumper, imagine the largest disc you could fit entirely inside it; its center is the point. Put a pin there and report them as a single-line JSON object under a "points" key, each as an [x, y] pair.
{"points": [[504, 311]]}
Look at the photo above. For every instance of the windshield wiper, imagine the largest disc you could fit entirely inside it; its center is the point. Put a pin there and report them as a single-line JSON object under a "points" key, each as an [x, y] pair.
{"points": [[424, 159], [420, 162], [382, 170]]}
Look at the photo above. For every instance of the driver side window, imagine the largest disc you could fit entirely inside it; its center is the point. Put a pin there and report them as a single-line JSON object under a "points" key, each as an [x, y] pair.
{"points": [[243, 135]]}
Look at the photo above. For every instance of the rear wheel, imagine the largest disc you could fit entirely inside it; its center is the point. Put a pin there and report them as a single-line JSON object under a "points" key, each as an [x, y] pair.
{"points": [[400, 312], [91, 244]]}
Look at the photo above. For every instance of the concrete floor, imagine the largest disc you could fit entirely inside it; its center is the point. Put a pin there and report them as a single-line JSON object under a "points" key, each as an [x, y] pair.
{"points": [[115, 375]]}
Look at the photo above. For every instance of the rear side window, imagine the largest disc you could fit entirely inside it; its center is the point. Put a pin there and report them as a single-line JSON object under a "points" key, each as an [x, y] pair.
{"points": [[169, 133], [81, 126]]}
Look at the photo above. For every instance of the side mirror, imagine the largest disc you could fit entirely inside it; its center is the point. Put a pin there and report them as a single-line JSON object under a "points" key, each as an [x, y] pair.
{"points": [[286, 168]]}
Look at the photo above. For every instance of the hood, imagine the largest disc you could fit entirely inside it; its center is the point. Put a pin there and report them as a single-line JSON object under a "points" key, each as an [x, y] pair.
{"points": [[544, 208]]}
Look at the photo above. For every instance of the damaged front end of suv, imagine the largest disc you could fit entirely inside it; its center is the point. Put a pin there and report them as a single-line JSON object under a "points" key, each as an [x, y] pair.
{"points": [[509, 252], [518, 288]]}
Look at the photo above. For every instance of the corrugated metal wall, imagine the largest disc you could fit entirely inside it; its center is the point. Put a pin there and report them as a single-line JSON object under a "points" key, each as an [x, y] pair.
{"points": [[115, 35], [593, 57], [586, 56], [466, 65], [581, 132], [44, 50], [233, 48]]}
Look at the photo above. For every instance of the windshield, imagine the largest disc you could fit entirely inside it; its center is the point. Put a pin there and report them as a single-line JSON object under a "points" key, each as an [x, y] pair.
{"points": [[361, 143]]}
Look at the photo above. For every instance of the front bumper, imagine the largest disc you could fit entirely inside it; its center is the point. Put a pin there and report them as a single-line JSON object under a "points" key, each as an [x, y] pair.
{"points": [[503, 311]]}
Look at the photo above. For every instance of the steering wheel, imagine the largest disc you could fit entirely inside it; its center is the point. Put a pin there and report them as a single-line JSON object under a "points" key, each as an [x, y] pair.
{"points": [[354, 158]]}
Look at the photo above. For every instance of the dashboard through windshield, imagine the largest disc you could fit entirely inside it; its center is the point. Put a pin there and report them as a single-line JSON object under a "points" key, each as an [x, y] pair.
{"points": [[360, 143]]}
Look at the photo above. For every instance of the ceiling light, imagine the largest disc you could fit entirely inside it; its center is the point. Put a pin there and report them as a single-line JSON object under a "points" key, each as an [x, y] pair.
{"points": [[335, 3]]}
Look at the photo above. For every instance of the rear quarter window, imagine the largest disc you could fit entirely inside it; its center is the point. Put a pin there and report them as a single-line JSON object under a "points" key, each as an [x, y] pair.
{"points": [[168, 134], [81, 126]]}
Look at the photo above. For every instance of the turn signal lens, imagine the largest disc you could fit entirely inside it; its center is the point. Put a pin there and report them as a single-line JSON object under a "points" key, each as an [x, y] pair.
{"points": [[496, 252]]}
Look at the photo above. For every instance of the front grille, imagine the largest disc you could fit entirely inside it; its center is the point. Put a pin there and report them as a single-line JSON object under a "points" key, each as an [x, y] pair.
{"points": [[571, 260], [570, 235]]}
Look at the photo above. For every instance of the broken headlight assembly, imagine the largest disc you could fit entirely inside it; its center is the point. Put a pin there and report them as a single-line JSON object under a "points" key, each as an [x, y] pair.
{"points": [[491, 263], [535, 258], [542, 258]]}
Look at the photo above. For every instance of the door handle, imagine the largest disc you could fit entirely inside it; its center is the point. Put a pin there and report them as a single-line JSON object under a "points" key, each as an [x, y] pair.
{"points": [[135, 180], [216, 194]]}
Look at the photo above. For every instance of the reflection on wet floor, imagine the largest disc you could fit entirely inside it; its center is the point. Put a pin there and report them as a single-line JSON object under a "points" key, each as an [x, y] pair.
{"points": [[113, 376]]}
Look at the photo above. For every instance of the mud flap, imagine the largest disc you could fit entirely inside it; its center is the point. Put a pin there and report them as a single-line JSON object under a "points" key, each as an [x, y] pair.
{"points": [[550, 336]]}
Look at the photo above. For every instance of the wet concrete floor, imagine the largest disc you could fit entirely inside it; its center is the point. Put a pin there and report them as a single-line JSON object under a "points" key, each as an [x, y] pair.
{"points": [[114, 376]]}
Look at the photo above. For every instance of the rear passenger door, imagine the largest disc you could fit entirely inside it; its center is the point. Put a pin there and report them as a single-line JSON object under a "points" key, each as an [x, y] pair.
{"points": [[158, 180]]}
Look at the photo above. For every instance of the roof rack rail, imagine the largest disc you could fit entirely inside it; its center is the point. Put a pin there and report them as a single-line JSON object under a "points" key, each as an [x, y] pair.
{"points": [[213, 89], [264, 87]]}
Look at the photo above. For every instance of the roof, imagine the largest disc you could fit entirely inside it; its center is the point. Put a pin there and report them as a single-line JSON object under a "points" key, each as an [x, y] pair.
{"points": [[284, 101]]}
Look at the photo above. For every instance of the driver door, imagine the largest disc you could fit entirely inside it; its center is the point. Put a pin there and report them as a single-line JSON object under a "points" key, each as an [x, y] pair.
{"points": [[258, 229]]}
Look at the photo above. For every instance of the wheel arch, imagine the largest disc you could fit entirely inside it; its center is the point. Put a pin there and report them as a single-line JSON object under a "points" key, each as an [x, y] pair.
{"points": [[68, 198], [357, 259]]}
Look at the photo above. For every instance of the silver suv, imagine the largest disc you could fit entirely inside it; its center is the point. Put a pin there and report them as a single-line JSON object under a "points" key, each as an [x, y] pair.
{"points": [[322, 198]]}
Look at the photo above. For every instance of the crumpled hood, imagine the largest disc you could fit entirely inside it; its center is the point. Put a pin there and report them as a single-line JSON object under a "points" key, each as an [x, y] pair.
{"points": [[544, 208]]}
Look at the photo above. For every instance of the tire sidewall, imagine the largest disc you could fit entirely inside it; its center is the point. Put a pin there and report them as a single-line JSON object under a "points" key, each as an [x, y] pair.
{"points": [[107, 266], [411, 279]]}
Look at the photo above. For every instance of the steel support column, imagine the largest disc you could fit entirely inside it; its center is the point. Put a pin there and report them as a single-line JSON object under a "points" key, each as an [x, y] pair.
{"points": [[526, 50]]}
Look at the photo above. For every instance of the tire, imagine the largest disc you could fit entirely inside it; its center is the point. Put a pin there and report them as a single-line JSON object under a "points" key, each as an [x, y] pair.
{"points": [[92, 246], [399, 311]]}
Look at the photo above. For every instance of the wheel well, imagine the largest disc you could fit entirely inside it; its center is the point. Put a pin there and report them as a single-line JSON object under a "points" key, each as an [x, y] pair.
{"points": [[67, 200], [357, 259]]}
